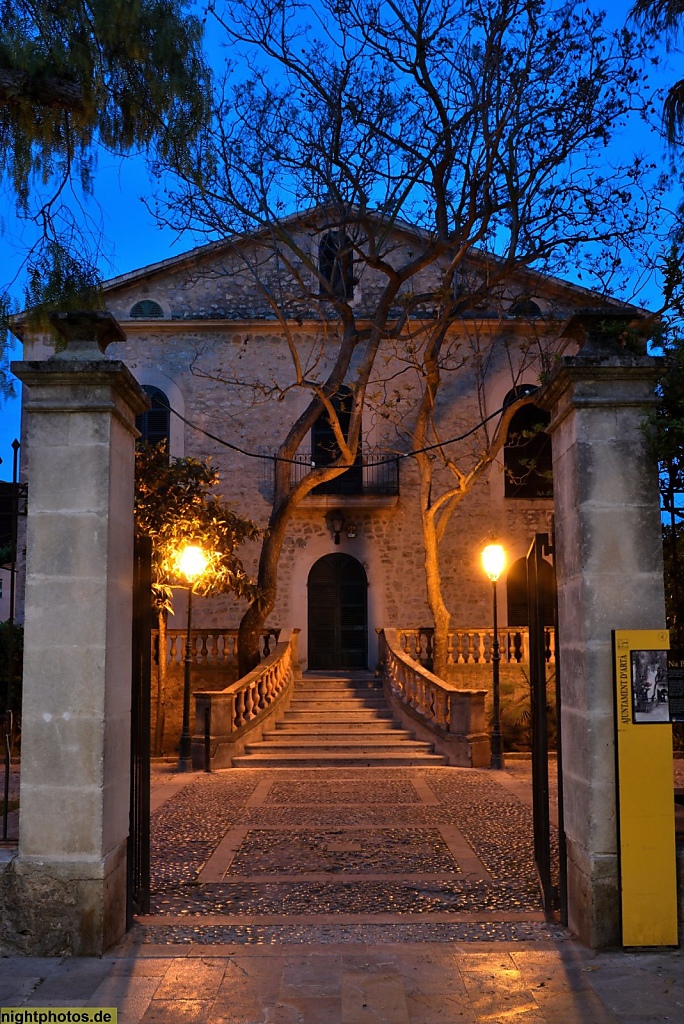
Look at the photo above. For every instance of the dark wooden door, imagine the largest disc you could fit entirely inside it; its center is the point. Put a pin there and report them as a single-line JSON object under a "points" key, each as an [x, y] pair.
{"points": [[338, 614]]}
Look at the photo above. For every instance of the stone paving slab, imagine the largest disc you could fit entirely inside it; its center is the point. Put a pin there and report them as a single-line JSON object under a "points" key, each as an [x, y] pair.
{"points": [[360, 983]]}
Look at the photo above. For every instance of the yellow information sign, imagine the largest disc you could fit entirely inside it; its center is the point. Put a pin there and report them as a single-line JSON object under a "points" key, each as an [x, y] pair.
{"points": [[645, 789]]}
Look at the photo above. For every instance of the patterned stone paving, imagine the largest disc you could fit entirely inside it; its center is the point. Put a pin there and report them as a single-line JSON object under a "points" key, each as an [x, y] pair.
{"points": [[350, 791], [355, 851], [251, 856]]}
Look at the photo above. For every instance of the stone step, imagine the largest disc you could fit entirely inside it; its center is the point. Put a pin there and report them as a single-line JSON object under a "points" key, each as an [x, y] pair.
{"points": [[343, 734], [360, 744], [331, 704], [320, 759], [345, 694], [377, 727], [313, 713], [312, 692], [337, 722]]}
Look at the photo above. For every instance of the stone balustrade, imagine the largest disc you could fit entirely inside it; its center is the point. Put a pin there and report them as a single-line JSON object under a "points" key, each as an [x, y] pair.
{"points": [[210, 647], [239, 713], [451, 718], [474, 646]]}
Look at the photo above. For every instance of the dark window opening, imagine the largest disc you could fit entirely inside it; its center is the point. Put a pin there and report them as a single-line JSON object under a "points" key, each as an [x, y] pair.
{"points": [[525, 307], [155, 424], [336, 264], [516, 594], [325, 451], [147, 309], [527, 453]]}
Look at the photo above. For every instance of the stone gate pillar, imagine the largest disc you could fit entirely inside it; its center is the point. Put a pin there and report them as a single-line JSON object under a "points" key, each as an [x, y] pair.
{"points": [[69, 878], [610, 576]]}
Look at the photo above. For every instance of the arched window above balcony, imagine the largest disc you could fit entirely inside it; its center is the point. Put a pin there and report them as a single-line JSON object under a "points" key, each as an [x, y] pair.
{"points": [[324, 448], [336, 264]]}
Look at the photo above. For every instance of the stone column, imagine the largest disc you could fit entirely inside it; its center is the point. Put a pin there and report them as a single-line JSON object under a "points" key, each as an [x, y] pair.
{"points": [[70, 874], [610, 576]]}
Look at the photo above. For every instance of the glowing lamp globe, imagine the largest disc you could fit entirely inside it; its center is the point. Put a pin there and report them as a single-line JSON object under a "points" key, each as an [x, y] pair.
{"points": [[493, 561], [192, 562]]}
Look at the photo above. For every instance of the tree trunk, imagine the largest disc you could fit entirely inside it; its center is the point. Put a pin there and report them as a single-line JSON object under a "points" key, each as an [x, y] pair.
{"points": [[254, 619], [440, 613], [161, 684]]}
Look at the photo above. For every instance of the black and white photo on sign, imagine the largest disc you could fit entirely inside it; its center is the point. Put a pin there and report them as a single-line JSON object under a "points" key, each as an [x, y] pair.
{"points": [[650, 701]]}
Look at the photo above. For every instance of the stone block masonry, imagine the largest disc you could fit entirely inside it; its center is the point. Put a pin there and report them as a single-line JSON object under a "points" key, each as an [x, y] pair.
{"points": [[68, 882]]}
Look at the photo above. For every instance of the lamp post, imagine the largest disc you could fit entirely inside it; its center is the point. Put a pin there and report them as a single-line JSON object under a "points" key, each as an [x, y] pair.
{"points": [[192, 562], [493, 560]]}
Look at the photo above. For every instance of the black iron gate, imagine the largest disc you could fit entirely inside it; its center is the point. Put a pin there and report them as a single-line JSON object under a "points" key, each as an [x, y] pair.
{"points": [[549, 849], [139, 831]]}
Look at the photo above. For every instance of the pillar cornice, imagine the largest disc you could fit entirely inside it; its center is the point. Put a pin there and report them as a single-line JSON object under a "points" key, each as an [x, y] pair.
{"points": [[621, 380]]}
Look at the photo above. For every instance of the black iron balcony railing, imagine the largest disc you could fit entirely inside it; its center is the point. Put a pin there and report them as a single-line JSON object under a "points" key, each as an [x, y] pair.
{"points": [[375, 474]]}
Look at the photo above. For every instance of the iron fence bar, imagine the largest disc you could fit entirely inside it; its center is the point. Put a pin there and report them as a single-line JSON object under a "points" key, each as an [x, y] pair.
{"points": [[562, 842], [540, 752], [139, 831], [207, 739]]}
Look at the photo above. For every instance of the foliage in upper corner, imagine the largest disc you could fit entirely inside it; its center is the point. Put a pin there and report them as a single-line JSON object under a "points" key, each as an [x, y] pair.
{"points": [[76, 75], [57, 279], [175, 507], [82, 71], [666, 17]]}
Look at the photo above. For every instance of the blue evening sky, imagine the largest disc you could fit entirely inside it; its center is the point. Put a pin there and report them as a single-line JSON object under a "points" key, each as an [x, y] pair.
{"points": [[133, 239]]}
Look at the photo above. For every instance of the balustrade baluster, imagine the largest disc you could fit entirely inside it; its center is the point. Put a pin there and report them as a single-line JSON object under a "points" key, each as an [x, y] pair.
{"points": [[461, 649], [547, 646], [240, 718], [249, 702], [450, 648], [518, 647], [444, 709], [474, 648], [426, 642], [173, 649], [201, 642]]}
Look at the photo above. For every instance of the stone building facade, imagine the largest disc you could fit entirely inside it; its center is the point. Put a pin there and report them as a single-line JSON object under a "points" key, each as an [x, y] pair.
{"points": [[217, 348]]}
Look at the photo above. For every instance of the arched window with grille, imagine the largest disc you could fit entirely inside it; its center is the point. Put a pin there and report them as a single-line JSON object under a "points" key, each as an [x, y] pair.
{"points": [[155, 424], [324, 449], [336, 264], [527, 452]]}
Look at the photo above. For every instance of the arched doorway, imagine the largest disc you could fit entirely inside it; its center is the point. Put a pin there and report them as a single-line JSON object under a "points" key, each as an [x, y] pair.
{"points": [[338, 614]]}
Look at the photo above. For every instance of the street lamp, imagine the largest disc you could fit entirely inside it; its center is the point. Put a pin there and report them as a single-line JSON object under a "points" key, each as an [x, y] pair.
{"points": [[493, 561], [191, 562]]}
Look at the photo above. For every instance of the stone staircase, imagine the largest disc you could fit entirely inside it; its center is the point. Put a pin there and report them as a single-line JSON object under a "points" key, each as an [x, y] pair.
{"points": [[335, 721]]}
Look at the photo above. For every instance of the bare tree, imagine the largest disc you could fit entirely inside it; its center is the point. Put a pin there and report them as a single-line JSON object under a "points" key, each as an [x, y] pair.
{"points": [[408, 135]]}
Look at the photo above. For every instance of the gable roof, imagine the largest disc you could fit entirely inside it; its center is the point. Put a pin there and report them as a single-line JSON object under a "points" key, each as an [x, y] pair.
{"points": [[532, 280]]}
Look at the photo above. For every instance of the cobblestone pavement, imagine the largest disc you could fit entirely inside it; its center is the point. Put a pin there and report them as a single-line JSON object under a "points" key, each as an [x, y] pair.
{"points": [[386, 896], [380, 855]]}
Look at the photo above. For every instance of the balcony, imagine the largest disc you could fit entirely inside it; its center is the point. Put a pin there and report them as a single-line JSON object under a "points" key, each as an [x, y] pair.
{"points": [[372, 482]]}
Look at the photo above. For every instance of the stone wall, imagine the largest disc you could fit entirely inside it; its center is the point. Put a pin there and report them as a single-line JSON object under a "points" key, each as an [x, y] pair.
{"points": [[217, 331]]}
